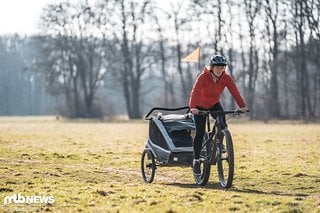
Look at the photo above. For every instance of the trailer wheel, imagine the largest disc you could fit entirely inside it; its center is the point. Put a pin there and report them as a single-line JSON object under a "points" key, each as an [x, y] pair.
{"points": [[148, 166]]}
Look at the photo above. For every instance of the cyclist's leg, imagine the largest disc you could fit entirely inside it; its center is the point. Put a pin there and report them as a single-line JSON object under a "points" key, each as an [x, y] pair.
{"points": [[200, 122]]}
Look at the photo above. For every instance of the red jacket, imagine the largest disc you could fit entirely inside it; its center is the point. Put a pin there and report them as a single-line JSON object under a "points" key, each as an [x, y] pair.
{"points": [[206, 93]]}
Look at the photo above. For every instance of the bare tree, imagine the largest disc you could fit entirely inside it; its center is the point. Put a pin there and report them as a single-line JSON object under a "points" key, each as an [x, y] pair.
{"points": [[312, 10], [230, 50], [252, 7], [169, 92], [128, 31], [21, 91], [272, 13], [302, 73], [72, 60], [285, 68], [179, 20], [214, 29]]}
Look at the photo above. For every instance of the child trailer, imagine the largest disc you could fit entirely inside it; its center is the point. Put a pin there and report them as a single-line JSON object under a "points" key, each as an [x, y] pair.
{"points": [[170, 142]]}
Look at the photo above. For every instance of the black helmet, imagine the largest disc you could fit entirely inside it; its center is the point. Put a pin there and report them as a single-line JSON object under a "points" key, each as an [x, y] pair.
{"points": [[218, 60]]}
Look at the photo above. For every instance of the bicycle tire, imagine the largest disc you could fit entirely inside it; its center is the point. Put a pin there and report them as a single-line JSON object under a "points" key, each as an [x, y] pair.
{"points": [[148, 166], [205, 165], [225, 161]]}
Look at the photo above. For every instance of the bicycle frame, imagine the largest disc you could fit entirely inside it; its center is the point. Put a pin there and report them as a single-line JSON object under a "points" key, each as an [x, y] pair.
{"points": [[215, 135], [215, 132]]}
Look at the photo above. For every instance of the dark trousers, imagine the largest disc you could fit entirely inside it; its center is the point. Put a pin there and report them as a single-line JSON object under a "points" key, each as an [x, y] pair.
{"points": [[200, 123]]}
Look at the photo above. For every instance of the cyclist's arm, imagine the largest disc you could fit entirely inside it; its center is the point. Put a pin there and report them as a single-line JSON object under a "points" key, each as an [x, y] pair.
{"points": [[195, 95], [232, 87]]}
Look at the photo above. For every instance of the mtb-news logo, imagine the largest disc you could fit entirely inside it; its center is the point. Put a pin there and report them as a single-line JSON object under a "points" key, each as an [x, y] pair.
{"points": [[21, 199]]}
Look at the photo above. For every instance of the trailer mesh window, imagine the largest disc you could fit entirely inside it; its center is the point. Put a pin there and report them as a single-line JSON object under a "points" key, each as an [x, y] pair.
{"points": [[156, 135], [181, 138]]}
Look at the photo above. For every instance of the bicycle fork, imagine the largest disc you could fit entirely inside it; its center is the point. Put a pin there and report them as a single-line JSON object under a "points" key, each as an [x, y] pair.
{"points": [[214, 143]]}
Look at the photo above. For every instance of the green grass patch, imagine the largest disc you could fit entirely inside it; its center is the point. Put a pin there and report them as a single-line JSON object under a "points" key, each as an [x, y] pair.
{"points": [[95, 167]]}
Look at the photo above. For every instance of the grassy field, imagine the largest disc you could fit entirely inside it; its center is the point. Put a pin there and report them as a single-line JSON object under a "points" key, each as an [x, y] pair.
{"points": [[91, 166]]}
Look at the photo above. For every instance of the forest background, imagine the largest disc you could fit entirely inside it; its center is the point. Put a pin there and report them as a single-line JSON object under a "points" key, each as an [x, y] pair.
{"points": [[99, 59]]}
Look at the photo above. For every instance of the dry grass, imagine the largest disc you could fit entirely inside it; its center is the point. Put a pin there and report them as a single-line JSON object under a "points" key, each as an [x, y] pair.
{"points": [[93, 166]]}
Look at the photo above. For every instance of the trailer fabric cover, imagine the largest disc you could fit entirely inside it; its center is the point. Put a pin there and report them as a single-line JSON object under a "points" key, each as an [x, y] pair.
{"points": [[173, 125], [180, 131]]}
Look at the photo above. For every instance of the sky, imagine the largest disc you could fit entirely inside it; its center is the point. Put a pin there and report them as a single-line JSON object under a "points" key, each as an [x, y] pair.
{"points": [[20, 16]]}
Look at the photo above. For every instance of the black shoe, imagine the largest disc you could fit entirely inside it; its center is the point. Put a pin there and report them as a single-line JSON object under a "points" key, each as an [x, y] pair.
{"points": [[196, 167], [224, 150]]}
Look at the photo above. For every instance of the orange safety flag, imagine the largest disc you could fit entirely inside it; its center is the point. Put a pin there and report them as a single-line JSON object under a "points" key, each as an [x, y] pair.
{"points": [[194, 56]]}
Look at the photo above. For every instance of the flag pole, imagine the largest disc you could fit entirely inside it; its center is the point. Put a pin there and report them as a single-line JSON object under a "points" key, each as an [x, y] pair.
{"points": [[198, 66]]}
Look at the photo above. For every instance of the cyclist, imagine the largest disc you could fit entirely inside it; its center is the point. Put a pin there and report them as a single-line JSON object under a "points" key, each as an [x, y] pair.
{"points": [[205, 95]]}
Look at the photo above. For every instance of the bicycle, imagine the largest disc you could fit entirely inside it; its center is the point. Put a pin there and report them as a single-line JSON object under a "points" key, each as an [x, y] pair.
{"points": [[217, 149]]}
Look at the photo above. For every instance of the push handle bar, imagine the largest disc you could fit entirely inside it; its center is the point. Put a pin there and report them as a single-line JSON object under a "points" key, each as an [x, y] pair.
{"points": [[166, 109]]}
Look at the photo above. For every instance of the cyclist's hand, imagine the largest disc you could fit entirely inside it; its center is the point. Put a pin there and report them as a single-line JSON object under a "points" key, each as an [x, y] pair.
{"points": [[244, 109], [194, 111]]}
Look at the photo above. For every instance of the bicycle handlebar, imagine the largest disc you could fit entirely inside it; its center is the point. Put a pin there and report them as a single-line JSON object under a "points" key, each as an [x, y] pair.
{"points": [[200, 112], [207, 112]]}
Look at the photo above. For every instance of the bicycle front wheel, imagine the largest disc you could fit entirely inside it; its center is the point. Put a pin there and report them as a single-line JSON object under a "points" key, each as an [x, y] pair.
{"points": [[205, 166], [225, 161]]}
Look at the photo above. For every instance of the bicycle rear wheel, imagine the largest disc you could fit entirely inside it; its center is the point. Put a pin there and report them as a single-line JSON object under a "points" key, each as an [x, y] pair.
{"points": [[205, 165], [225, 160]]}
